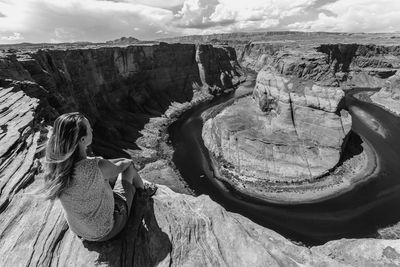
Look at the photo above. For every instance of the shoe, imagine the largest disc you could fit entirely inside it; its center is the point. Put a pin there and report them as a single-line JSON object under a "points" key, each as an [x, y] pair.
{"points": [[150, 189]]}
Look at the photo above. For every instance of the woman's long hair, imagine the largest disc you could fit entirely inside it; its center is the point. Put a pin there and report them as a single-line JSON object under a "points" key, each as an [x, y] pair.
{"points": [[62, 153]]}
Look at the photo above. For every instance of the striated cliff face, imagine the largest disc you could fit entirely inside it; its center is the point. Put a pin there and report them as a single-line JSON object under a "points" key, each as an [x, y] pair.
{"points": [[218, 67], [20, 138], [119, 89], [345, 65]]}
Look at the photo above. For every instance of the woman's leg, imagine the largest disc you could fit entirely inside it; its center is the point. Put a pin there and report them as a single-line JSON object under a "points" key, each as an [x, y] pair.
{"points": [[131, 175], [125, 190]]}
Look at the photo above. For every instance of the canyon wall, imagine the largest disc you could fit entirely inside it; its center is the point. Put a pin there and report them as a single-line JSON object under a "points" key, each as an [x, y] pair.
{"points": [[119, 89], [344, 65]]}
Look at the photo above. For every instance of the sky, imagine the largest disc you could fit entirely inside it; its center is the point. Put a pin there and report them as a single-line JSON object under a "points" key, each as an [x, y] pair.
{"points": [[56, 21]]}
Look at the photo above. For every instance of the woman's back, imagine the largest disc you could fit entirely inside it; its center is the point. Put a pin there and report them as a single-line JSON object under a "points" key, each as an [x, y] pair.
{"points": [[93, 210], [88, 202]]}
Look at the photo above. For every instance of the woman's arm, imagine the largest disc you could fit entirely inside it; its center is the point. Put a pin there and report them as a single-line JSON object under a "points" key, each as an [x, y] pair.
{"points": [[116, 160], [110, 170]]}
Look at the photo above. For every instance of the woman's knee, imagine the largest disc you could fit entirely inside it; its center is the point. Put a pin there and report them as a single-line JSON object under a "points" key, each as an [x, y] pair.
{"points": [[127, 175]]}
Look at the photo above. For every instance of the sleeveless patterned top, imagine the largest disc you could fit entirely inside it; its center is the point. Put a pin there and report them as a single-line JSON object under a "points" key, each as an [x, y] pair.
{"points": [[89, 202]]}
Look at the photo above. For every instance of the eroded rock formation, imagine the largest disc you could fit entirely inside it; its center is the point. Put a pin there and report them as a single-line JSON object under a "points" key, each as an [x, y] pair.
{"points": [[294, 132], [119, 89], [389, 96]]}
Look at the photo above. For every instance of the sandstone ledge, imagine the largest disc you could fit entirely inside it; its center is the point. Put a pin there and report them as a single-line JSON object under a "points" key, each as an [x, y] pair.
{"points": [[172, 230]]}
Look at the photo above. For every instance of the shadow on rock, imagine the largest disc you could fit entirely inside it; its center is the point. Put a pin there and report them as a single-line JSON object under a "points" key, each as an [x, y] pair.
{"points": [[141, 243], [351, 147]]}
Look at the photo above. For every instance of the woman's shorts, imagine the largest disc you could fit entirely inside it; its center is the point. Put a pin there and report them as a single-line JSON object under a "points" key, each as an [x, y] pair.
{"points": [[123, 198]]}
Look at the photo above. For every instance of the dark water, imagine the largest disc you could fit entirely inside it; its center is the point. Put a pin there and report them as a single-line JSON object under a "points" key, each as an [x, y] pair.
{"points": [[358, 213]]}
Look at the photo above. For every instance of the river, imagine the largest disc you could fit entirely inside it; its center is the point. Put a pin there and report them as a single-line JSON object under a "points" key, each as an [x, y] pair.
{"points": [[355, 214]]}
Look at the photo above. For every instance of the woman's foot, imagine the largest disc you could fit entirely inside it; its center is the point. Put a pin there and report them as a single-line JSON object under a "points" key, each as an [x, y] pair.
{"points": [[148, 191]]}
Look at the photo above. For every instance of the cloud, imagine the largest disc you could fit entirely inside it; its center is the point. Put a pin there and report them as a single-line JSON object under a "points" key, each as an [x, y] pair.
{"points": [[233, 15], [196, 14], [162, 32], [16, 36], [76, 20], [355, 16], [101, 20], [157, 3]]}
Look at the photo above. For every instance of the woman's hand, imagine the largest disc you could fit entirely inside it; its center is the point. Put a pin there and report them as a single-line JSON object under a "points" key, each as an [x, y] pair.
{"points": [[123, 163], [110, 169], [117, 160]]}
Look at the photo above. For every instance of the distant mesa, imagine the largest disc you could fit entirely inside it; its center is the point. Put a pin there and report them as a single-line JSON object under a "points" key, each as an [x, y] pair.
{"points": [[124, 41]]}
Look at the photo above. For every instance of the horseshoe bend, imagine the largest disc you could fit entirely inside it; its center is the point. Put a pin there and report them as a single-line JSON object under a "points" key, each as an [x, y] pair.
{"points": [[299, 129], [287, 142]]}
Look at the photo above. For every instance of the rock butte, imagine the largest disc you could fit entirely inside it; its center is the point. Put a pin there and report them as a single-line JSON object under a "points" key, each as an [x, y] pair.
{"points": [[122, 91], [290, 131], [283, 143]]}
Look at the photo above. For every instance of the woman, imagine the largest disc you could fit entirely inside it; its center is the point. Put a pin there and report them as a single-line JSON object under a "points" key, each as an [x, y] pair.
{"points": [[94, 211]]}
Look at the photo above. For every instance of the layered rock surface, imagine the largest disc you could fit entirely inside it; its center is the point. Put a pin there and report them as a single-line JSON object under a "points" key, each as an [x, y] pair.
{"points": [[171, 230], [347, 65], [120, 89]]}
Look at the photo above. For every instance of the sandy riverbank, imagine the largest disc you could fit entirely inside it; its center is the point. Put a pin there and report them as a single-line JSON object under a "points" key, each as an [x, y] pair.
{"points": [[156, 152]]}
